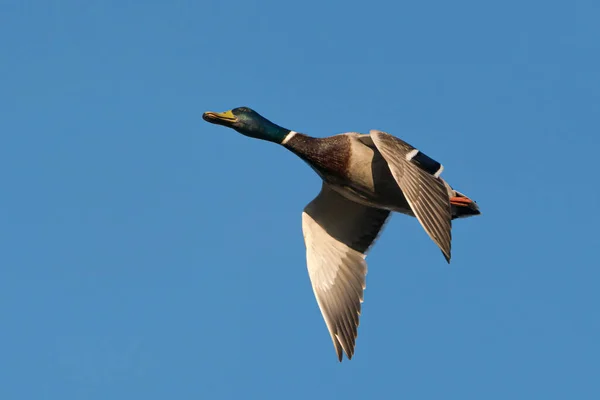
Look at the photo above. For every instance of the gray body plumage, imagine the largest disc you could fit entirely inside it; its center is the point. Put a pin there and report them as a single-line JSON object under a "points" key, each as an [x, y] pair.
{"points": [[361, 173], [374, 171]]}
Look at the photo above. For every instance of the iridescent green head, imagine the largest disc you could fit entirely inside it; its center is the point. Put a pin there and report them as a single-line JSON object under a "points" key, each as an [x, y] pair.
{"points": [[248, 122]]}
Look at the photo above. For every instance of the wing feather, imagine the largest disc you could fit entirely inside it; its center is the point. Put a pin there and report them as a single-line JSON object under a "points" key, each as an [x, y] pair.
{"points": [[338, 234], [426, 193]]}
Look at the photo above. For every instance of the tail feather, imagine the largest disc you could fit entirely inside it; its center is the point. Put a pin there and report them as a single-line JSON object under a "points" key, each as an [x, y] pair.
{"points": [[463, 207]]}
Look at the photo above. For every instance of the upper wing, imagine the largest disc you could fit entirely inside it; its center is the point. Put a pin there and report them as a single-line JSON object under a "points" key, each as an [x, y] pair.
{"points": [[338, 234], [418, 177]]}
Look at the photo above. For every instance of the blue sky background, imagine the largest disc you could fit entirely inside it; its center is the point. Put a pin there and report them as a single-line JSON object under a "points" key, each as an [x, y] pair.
{"points": [[147, 254]]}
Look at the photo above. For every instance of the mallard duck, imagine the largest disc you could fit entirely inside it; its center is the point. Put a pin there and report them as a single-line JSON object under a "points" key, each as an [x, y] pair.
{"points": [[365, 178]]}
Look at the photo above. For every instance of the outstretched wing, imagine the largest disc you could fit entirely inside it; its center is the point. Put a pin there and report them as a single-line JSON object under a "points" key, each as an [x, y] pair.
{"points": [[418, 177], [338, 234]]}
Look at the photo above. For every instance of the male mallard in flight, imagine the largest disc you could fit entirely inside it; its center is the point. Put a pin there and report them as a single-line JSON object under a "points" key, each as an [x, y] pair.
{"points": [[365, 177]]}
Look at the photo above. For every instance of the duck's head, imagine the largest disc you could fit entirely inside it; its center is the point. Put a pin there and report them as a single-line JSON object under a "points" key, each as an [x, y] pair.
{"points": [[248, 122]]}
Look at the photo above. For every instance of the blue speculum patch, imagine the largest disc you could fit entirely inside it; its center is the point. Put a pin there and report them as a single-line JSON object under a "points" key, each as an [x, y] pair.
{"points": [[426, 163]]}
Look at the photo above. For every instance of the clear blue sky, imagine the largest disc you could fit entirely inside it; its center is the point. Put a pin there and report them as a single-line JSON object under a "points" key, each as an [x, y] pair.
{"points": [[146, 254]]}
